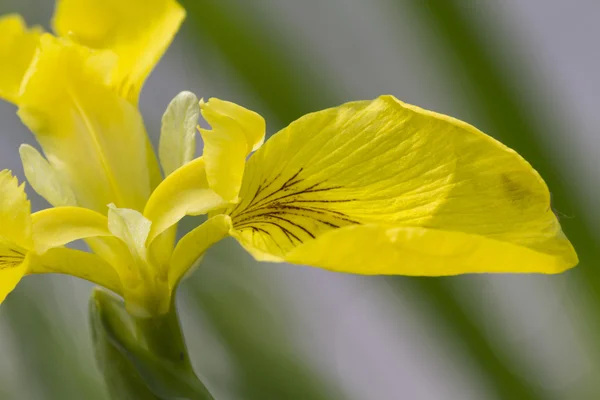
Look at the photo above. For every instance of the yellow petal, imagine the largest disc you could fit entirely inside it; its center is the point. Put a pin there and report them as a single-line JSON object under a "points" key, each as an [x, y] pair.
{"points": [[15, 212], [93, 138], [394, 176], [235, 132], [184, 192], [178, 133], [77, 263], [193, 245], [14, 264], [138, 31], [58, 226], [44, 179], [17, 47], [373, 249], [131, 227]]}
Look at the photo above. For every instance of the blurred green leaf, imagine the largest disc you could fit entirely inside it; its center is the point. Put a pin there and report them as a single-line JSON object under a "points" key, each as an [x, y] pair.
{"points": [[46, 350], [463, 330], [510, 118], [257, 342], [268, 65]]}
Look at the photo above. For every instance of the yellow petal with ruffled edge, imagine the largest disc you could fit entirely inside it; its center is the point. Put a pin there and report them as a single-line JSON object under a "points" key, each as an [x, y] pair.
{"points": [[17, 47], [193, 245], [44, 179], [91, 136], [184, 192], [55, 227], [236, 131], [138, 31], [416, 192], [15, 212]]}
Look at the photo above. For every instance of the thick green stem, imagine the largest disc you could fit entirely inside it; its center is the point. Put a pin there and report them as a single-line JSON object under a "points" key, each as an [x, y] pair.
{"points": [[142, 358]]}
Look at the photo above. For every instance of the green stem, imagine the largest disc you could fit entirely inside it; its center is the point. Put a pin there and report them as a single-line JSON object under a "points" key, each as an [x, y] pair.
{"points": [[142, 358]]}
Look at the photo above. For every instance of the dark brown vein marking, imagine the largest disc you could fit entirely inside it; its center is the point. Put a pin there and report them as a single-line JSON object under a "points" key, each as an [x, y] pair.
{"points": [[282, 205], [283, 229]]}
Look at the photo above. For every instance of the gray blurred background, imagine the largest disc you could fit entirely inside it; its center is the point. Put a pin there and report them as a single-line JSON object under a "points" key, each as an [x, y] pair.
{"points": [[525, 72]]}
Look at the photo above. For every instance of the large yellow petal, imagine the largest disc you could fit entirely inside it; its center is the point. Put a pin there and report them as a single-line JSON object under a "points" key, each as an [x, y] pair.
{"points": [[17, 47], [191, 248], [90, 135], [390, 165], [77, 263], [15, 212], [138, 31], [44, 179], [184, 192], [55, 227], [236, 131]]}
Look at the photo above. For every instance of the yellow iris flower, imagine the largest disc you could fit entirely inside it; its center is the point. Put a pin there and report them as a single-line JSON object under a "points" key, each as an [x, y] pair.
{"points": [[368, 187]]}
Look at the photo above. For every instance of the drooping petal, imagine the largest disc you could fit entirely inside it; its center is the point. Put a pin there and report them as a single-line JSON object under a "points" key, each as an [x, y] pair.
{"points": [[44, 179], [401, 181], [55, 227], [15, 212], [91, 136], [17, 47], [138, 31], [236, 131], [77, 263], [193, 245], [178, 132], [184, 192]]}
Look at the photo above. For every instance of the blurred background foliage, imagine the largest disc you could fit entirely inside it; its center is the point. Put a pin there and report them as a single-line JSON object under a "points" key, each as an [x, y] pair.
{"points": [[524, 72]]}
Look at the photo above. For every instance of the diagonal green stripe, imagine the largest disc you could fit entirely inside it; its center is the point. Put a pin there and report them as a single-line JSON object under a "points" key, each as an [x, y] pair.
{"points": [[512, 120], [279, 77], [41, 346]]}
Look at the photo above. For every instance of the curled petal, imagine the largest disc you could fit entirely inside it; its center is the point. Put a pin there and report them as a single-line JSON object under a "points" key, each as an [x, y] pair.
{"points": [[407, 179], [236, 131]]}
